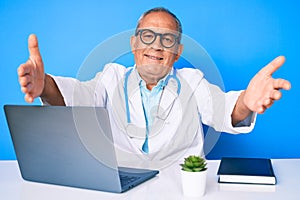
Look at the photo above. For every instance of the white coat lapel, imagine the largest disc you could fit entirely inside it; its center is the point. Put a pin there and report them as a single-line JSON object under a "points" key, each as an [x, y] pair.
{"points": [[135, 100], [169, 95]]}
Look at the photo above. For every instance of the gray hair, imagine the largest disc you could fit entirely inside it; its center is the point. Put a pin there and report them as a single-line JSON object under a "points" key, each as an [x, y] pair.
{"points": [[162, 9]]}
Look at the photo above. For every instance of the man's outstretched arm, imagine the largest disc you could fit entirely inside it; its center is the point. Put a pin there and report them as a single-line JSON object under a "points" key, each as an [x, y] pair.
{"points": [[261, 92], [33, 80]]}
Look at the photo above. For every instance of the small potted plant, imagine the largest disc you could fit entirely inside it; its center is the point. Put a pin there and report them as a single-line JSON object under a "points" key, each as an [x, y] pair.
{"points": [[193, 175]]}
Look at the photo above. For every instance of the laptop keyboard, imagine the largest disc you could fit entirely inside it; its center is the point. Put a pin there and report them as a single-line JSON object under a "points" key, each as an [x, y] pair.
{"points": [[128, 179]]}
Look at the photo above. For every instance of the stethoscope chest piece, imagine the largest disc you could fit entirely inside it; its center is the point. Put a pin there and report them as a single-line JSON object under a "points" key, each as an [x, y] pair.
{"points": [[134, 131]]}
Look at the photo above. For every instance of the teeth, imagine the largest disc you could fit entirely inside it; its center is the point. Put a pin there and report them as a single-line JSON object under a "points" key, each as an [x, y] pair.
{"points": [[154, 57]]}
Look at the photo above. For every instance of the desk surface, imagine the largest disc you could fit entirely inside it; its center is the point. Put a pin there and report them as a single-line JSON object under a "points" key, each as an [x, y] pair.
{"points": [[167, 185]]}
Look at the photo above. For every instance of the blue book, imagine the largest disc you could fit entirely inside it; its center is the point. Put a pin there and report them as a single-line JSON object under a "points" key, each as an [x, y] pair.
{"points": [[246, 170]]}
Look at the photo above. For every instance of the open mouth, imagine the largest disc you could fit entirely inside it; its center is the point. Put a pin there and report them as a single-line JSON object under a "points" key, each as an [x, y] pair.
{"points": [[153, 57]]}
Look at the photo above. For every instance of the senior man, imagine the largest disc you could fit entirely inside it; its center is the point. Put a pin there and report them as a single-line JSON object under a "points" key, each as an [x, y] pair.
{"points": [[155, 110]]}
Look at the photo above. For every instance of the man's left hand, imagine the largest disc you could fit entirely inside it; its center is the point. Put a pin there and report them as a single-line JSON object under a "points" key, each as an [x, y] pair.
{"points": [[263, 89]]}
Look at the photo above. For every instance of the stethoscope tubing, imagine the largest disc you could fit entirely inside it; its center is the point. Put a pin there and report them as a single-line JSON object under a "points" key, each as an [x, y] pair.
{"points": [[127, 74]]}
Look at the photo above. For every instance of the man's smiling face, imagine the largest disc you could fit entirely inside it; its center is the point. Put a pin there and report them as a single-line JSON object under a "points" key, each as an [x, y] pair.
{"points": [[153, 61]]}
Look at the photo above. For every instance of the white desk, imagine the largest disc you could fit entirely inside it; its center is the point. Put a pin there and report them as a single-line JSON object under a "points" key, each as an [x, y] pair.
{"points": [[167, 185]]}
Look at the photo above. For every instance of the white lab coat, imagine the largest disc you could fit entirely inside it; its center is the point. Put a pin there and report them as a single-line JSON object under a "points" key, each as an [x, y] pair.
{"points": [[176, 131]]}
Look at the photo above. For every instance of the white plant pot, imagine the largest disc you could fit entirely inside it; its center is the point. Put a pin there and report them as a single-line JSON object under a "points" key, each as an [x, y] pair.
{"points": [[193, 183]]}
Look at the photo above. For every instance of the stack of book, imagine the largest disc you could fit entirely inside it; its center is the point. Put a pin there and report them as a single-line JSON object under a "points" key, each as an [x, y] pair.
{"points": [[246, 170]]}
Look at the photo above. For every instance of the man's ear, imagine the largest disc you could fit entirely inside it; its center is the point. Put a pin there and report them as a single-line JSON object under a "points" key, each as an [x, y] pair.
{"points": [[179, 51], [133, 43]]}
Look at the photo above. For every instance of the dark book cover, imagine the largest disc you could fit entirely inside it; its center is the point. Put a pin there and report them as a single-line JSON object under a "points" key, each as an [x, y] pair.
{"points": [[246, 170]]}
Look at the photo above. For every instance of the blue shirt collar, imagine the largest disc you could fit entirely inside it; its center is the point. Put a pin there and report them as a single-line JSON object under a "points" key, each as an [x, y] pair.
{"points": [[160, 84]]}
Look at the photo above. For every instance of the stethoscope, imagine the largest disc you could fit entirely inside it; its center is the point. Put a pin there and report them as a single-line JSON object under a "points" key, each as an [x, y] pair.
{"points": [[127, 74]]}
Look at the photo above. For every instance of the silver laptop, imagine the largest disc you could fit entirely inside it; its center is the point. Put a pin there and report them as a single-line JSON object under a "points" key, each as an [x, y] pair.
{"points": [[70, 146]]}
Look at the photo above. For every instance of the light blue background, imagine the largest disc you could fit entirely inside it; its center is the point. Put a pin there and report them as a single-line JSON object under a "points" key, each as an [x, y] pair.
{"points": [[240, 36]]}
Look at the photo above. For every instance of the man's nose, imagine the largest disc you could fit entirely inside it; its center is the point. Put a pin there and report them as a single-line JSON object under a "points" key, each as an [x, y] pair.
{"points": [[157, 43]]}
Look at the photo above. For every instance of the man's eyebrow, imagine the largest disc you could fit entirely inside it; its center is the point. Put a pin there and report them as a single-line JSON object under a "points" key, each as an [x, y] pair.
{"points": [[155, 30]]}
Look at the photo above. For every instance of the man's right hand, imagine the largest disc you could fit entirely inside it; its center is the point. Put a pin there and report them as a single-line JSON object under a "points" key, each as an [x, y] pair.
{"points": [[31, 74]]}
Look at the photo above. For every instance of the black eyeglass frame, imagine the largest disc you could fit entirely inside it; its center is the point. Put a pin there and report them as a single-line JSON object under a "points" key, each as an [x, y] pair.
{"points": [[140, 31]]}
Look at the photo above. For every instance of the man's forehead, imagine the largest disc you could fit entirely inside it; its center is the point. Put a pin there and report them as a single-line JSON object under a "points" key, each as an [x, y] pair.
{"points": [[159, 21]]}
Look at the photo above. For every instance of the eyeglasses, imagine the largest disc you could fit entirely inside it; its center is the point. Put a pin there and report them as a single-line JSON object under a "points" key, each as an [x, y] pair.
{"points": [[147, 36]]}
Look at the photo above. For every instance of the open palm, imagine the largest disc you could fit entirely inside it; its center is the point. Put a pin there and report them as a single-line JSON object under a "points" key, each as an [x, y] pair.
{"points": [[263, 89]]}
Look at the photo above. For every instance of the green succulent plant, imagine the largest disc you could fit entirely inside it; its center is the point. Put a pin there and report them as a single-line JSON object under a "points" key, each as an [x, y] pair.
{"points": [[194, 164]]}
